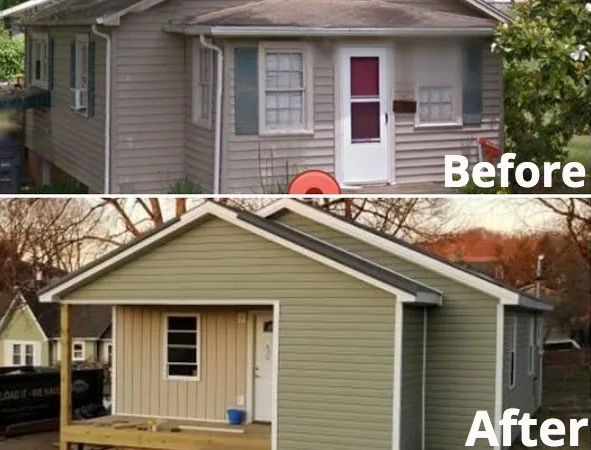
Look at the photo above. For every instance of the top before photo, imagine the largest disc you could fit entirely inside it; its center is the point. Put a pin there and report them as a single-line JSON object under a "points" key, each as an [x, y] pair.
{"points": [[295, 97]]}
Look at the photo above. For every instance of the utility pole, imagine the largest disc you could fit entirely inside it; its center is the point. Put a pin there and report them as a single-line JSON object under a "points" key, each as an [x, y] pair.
{"points": [[539, 272]]}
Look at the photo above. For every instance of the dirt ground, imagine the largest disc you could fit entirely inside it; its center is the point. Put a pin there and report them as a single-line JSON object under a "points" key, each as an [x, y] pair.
{"points": [[41, 441]]}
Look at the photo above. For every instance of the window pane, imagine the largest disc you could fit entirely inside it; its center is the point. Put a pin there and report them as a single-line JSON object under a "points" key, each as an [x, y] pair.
{"points": [[446, 111], [365, 121], [184, 370], [182, 323], [446, 95], [284, 71], [182, 355], [365, 76], [176, 338], [29, 360]]}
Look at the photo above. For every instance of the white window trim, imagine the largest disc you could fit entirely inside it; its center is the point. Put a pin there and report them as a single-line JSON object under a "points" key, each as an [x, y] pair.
{"points": [[165, 348], [83, 344], [8, 352], [196, 117], [513, 354], [308, 87], [44, 37], [456, 88], [82, 39], [532, 345]]}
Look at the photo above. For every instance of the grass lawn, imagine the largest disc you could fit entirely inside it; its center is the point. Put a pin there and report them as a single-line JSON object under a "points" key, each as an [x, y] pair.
{"points": [[579, 150], [566, 396]]}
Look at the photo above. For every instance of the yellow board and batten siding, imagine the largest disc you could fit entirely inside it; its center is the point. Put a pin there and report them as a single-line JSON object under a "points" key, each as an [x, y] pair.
{"points": [[336, 333], [461, 343]]}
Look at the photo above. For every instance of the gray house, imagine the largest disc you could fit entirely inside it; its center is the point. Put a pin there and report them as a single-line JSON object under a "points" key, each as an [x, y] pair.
{"points": [[237, 97], [325, 333]]}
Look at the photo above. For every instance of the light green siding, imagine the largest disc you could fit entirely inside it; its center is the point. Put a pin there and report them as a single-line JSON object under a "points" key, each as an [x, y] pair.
{"points": [[411, 428], [90, 349], [525, 394], [461, 343], [20, 326], [336, 333]]}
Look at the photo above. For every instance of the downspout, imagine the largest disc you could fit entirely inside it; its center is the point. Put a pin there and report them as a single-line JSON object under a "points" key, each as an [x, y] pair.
{"points": [[107, 179], [218, 113]]}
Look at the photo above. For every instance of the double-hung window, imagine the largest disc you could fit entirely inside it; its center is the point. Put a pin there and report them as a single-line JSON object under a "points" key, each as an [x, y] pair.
{"points": [[79, 90], [40, 60], [182, 346], [285, 88], [78, 351], [513, 353], [23, 354], [203, 69], [439, 90]]}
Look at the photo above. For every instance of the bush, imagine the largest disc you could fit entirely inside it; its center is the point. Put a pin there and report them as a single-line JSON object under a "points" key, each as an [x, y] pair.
{"points": [[12, 55], [185, 187], [59, 187]]}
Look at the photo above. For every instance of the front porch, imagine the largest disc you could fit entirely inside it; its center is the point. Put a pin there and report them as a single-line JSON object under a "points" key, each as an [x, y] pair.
{"points": [[139, 433]]}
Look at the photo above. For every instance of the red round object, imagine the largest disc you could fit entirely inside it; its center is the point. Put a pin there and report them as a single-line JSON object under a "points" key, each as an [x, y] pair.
{"points": [[314, 182]]}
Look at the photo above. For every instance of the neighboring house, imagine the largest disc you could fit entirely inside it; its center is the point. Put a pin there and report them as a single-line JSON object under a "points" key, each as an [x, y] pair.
{"points": [[30, 330], [237, 97], [336, 335]]}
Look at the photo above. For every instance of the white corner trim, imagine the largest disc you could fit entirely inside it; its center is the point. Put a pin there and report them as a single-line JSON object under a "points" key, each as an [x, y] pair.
{"points": [[397, 376], [231, 217], [275, 377], [424, 380], [506, 296], [499, 360], [114, 361]]}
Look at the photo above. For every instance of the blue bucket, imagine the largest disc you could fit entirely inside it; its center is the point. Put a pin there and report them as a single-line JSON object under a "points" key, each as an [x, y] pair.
{"points": [[235, 416]]}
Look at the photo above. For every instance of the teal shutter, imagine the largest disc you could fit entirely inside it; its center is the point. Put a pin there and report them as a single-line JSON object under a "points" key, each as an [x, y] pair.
{"points": [[73, 64], [472, 89], [91, 77], [246, 91], [50, 64]]}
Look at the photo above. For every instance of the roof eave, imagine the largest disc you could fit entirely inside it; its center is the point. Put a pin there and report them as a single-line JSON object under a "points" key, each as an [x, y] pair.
{"points": [[525, 301], [280, 31]]}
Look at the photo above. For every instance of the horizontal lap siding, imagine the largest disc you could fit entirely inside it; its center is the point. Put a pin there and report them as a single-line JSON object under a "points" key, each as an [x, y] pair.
{"points": [[141, 386], [257, 164], [411, 428], [523, 395], [420, 153], [336, 332], [67, 139], [461, 343]]}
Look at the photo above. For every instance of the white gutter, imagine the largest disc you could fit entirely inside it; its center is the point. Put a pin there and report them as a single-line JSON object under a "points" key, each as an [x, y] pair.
{"points": [[107, 175], [218, 113]]}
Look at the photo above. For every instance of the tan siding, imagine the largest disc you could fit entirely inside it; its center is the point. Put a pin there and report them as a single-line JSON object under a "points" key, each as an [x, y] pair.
{"points": [[334, 330], [64, 137], [419, 153], [461, 343], [255, 163]]}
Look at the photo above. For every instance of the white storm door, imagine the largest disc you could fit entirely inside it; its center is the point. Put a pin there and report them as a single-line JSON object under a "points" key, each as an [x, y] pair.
{"points": [[263, 369]]}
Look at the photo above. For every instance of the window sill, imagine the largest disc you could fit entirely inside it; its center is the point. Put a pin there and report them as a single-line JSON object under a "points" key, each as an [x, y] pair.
{"points": [[83, 113], [286, 133], [40, 85], [202, 123], [439, 125], [173, 378]]}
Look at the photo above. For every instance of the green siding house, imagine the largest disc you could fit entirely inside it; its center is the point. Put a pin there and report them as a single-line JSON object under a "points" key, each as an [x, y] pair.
{"points": [[29, 332], [336, 336]]}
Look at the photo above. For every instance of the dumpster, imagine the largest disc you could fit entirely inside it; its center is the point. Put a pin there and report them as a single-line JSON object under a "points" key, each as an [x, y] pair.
{"points": [[30, 395]]}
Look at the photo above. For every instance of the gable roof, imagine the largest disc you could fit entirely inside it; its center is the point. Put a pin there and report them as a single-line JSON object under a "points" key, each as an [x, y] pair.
{"points": [[87, 321], [22, 8], [410, 252], [110, 12], [380, 277], [338, 14]]}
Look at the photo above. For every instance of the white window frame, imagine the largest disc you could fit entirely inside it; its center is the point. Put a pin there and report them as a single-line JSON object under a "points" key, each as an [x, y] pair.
{"points": [[425, 51], [196, 377], [82, 41], [82, 344], [22, 351], [59, 350], [513, 354], [307, 127], [532, 345], [198, 85], [43, 39], [108, 353]]}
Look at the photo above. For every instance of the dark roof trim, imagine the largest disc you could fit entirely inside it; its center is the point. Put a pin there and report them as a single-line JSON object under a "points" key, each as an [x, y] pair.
{"points": [[423, 293]]}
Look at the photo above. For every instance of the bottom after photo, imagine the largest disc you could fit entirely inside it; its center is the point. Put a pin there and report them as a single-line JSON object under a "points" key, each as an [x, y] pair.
{"points": [[294, 324]]}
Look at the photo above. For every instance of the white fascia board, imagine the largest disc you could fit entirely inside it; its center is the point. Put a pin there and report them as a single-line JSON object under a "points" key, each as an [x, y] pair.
{"points": [[271, 31], [209, 208], [530, 303], [506, 296]]}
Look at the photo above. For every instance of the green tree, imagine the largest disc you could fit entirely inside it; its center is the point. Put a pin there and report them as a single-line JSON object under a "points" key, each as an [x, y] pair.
{"points": [[12, 55], [545, 50]]}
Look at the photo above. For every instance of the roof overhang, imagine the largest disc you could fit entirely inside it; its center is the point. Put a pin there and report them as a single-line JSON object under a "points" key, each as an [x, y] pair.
{"points": [[506, 296], [271, 31], [190, 219]]}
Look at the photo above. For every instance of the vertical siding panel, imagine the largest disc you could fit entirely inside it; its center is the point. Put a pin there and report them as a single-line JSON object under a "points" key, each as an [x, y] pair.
{"points": [[230, 387], [210, 367], [154, 362], [146, 356], [163, 385], [220, 389], [201, 398], [137, 361]]}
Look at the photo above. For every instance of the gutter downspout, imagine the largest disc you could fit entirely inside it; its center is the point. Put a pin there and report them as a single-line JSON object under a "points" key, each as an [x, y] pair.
{"points": [[107, 175], [218, 113]]}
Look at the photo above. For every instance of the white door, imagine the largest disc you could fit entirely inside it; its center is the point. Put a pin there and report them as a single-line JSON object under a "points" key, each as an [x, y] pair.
{"points": [[365, 115], [263, 368]]}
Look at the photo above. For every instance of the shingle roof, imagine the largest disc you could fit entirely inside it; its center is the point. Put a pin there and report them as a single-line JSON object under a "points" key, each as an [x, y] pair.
{"points": [[79, 11], [337, 14]]}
